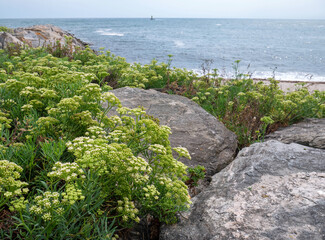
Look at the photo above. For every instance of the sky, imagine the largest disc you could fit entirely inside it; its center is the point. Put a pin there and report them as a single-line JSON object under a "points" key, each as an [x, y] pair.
{"points": [[283, 9]]}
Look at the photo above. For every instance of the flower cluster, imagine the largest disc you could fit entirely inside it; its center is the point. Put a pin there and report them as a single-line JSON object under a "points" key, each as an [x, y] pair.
{"points": [[111, 99], [67, 105], [95, 132], [4, 120], [48, 93], [84, 118], [118, 135], [110, 122], [138, 169], [158, 149], [46, 124], [18, 204], [10, 186], [36, 104], [84, 145], [133, 78], [26, 108], [176, 192], [7, 103], [182, 152], [13, 85], [30, 92], [46, 205], [129, 111], [67, 171], [90, 92], [72, 194], [127, 210], [151, 193]]}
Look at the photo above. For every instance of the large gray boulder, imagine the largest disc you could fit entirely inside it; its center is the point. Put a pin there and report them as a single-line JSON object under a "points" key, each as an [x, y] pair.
{"points": [[38, 36], [209, 142], [271, 190], [310, 132]]}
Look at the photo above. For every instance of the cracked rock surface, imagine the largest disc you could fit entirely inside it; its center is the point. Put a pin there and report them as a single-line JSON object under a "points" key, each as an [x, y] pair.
{"points": [[209, 142], [271, 190]]}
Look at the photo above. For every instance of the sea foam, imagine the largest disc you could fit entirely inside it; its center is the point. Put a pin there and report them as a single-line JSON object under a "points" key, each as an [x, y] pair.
{"points": [[179, 43], [107, 32]]}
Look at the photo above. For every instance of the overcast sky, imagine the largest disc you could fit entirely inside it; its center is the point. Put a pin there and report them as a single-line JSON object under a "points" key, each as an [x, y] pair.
{"points": [[297, 9]]}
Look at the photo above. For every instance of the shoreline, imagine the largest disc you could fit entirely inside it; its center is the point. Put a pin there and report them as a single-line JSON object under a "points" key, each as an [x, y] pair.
{"points": [[290, 85]]}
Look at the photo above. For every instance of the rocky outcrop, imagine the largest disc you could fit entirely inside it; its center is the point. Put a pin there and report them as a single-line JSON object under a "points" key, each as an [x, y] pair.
{"points": [[271, 190], [38, 36], [7, 38], [209, 142], [310, 132]]}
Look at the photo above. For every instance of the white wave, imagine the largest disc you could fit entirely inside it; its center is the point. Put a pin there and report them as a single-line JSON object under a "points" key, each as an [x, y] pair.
{"points": [[179, 43], [104, 30], [290, 76], [107, 32], [113, 34], [218, 24]]}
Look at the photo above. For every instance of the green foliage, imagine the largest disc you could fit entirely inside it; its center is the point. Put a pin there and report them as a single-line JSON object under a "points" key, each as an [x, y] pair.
{"points": [[87, 174], [195, 174], [4, 29], [253, 109], [90, 175]]}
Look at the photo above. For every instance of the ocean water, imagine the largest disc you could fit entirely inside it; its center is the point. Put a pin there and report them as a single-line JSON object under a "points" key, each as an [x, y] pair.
{"points": [[286, 49]]}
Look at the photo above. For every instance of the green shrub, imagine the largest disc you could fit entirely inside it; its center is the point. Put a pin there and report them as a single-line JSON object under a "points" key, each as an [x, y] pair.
{"points": [[195, 174], [88, 175], [4, 29], [243, 105]]}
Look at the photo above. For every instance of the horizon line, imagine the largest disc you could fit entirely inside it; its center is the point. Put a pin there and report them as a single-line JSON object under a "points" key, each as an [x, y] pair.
{"points": [[243, 18]]}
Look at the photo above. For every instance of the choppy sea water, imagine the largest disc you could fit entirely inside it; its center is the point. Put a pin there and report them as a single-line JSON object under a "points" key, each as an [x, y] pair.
{"points": [[286, 49]]}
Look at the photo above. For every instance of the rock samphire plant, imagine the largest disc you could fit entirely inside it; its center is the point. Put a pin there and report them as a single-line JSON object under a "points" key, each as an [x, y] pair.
{"points": [[67, 170]]}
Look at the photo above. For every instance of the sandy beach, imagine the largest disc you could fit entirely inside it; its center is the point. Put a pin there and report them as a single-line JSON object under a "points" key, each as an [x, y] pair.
{"points": [[288, 85]]}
